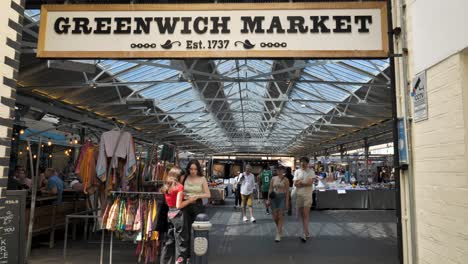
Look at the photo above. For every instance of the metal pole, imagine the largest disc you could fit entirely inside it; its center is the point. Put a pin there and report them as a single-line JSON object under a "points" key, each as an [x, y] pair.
{"points": [[111, 244], [39, 148], [33, 202], [396, 156], [366, 154], [341, 152], [407, 113], [33, 195], [101, 259], [65, 239]]}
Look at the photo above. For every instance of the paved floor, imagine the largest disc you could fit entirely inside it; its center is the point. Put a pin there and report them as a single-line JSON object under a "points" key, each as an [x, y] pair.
{"points": [[337, 237]]}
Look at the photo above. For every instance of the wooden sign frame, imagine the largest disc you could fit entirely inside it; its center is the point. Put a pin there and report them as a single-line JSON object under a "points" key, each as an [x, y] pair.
{"points": [[382, 53]]}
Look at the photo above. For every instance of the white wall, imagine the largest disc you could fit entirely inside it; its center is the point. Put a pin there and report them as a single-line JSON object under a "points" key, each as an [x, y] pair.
{"points": [[440, 29]]}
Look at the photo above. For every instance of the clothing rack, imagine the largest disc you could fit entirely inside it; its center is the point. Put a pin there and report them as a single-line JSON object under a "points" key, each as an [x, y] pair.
{"points": [[157, 195], [122, 192]]}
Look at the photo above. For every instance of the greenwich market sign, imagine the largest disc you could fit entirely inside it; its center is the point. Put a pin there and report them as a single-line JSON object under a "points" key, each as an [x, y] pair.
{"points": [[355, 29]]}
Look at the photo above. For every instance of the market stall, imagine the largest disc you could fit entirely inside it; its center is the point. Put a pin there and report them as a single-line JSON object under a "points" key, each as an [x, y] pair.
{"points": [[342, 199], [382, 199], [218, 192], [346, 196]]}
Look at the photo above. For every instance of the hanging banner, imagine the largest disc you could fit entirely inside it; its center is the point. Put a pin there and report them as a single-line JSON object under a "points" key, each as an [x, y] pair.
{"points": [[307, 30]]}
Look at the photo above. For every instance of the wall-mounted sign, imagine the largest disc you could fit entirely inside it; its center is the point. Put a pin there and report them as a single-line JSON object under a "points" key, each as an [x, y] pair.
{"points": [[357, 29], [419, 95]]}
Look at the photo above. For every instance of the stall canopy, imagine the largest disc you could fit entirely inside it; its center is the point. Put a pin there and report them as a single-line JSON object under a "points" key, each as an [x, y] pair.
{"points": [[217, 106]]}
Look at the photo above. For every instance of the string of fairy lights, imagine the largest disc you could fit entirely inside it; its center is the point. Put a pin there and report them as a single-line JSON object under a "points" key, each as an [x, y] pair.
{"points": [[69, 144]]}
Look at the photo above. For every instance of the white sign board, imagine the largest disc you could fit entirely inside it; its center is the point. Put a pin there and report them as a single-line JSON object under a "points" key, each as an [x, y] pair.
{"points": [[420, 97], [357, 29]]}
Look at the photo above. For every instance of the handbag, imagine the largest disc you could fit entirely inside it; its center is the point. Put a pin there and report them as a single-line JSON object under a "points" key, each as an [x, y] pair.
{"points": [[293, 192], [173, 213], [272, 195]]}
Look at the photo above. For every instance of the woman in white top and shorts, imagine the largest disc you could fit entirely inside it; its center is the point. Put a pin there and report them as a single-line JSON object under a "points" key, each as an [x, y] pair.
{"points": [[304, 179]]}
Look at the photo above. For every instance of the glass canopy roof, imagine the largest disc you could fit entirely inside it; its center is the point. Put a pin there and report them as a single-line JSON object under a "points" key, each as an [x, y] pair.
{"points": [[321, 86]]}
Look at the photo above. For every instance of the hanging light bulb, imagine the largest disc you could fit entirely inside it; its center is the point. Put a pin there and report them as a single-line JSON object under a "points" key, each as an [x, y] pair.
{"points": [[70, 150], [66, 152], [49, 142], [13, 138], [138, 157], [42, 145], [50, 156], [71, 141], [75, 141], [35, 156], [21, 153], [21, 131], [27, 148]]}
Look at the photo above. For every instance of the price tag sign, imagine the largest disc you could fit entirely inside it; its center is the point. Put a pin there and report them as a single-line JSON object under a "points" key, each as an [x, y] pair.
{"points": [[341, 191]]}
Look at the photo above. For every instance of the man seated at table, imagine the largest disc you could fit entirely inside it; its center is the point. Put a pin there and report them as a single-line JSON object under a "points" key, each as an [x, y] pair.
{"points": [[23, 182], [55, 185]]}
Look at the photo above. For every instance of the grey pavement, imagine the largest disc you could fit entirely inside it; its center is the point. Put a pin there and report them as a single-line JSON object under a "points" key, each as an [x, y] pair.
{"points": [[343, 236]]}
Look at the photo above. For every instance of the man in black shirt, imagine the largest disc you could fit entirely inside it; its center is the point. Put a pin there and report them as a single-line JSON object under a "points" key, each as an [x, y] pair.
{"points": [[290, 177]]}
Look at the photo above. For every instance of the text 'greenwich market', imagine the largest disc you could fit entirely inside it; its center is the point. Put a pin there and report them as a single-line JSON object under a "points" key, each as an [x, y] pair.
{"points": [[213, 25]]}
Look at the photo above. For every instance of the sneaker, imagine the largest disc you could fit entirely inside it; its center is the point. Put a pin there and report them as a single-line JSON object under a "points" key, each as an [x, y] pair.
{"points": [[245, 219], [278, 237], [304, 238], [252, 219]]}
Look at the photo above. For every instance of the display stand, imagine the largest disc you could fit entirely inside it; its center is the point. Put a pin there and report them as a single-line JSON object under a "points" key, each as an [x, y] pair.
{"points": [[157, 195]]}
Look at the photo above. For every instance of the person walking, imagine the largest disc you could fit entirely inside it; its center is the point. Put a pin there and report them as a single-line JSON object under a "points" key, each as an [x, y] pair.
{"points": [[247, 180], [237, 193], [290, 178], [303, 181], [278, 199], [265, 179], [176, 247]]}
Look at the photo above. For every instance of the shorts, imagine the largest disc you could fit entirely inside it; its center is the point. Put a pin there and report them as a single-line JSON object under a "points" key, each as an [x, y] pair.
{"points": [[279, 202], [265, 195], [247, 200], [304, 201]]}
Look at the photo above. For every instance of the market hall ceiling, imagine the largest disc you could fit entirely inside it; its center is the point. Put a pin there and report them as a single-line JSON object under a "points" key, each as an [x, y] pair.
{"points": [[220, 106]]}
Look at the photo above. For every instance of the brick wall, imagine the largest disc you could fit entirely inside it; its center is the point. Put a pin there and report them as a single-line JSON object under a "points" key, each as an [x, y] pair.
{"points": [[440, 176], [440, 156], [11, 20]]}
